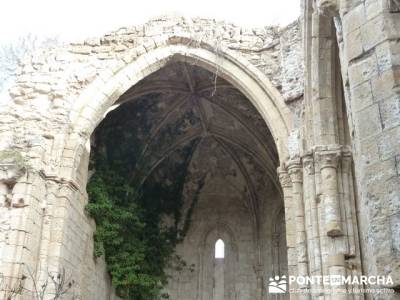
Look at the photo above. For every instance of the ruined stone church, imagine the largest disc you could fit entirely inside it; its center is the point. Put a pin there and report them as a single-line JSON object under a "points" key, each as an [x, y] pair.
{"points": [[293, 132]]}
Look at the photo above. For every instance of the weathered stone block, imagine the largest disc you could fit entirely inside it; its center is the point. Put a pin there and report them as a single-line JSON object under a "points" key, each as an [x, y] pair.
{"points": [[361, 96], [373, 8], [368, 121], [390, 112], [379, 236], [362, 70], [384, 56], [383, 85], [373, 32], [395, 228], [388, 143], [375, 177], [354, 19], [353, 47]]}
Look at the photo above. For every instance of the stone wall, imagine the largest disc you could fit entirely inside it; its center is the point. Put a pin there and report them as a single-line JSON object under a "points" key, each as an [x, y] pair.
{"points": [[49, 80], [370, 52], [39, 117], [253, 252], [366, 70], [338, 147]]}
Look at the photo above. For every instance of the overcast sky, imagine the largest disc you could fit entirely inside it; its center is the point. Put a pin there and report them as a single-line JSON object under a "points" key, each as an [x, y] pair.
{"points": [[76, 19]]}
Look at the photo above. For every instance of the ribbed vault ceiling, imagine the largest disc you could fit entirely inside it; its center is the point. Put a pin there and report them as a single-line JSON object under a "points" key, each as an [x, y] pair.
{"points": [[183, 105]]}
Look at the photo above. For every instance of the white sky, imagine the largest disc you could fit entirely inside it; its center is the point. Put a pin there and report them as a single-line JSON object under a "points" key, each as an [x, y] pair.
{"points": [[76, 19]]}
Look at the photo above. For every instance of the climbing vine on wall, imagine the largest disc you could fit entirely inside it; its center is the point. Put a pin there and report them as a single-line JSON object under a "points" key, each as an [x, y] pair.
{"points": [[130, 205]]}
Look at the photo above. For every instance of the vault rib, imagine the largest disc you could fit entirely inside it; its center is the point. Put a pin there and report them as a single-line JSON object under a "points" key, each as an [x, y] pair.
{"points": [[165, 154], [252, 193], [164, 120], [242, 170], [264, 164], [212, 86], [243, 123], [155, 87], [189, 80], [203, 118]]}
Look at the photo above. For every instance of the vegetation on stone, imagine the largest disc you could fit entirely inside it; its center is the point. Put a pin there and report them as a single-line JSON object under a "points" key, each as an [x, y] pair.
{"points": [[128, 206]]}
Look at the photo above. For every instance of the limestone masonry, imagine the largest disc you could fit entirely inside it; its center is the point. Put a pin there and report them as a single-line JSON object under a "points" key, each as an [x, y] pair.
{"points": [[299, 145]]}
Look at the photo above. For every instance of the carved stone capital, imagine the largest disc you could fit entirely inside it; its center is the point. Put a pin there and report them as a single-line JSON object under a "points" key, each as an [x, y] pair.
{"points": [[347, 160], [327, 7], [284, 178], [295, 170], [328, 159], [308, 164]]}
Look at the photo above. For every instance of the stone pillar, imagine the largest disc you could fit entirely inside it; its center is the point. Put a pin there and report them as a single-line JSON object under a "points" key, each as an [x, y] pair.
{"points": [[349, 204], [352, 255], [312, 222], [275, 253], [295, 170], [260, 283], [328, 162], [336, 267], [369, 60], [289, 220]]}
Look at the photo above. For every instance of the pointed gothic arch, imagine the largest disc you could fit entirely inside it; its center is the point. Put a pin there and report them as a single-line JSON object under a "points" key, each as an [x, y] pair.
{"points": [[94, 101]]}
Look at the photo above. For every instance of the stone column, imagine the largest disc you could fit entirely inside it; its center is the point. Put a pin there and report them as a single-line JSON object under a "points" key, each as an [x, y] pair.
{"points": [[260, 283], [328, 162], [275, 253], [336, 266], [289, 220], [295, 170], [349, 204], [352, 256], [312, 221], [370, 68]]}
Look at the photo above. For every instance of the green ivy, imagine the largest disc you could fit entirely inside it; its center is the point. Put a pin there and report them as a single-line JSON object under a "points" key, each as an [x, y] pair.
{"points": [[128, 211]]}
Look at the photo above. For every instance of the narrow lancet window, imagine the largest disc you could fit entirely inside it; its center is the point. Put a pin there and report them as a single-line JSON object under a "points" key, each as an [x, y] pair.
{"points": [[220, 249]]}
